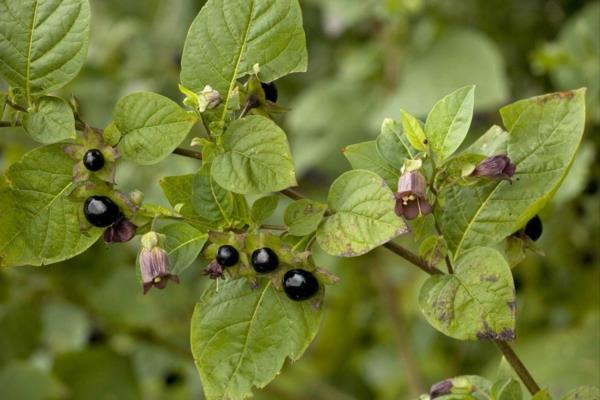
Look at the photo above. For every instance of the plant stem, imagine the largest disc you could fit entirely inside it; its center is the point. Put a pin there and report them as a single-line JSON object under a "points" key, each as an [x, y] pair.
{"points": [[518, 366]]}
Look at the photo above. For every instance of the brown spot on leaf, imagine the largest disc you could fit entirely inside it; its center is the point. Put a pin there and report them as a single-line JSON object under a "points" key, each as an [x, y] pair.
{"points": [[506, 335], [512, 305], [566, 95]]}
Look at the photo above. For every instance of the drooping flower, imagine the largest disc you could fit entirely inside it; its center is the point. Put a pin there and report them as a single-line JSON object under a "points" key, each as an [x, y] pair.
{"points": [[497, 167], [154, 263], [410, 198], [120, 232]]}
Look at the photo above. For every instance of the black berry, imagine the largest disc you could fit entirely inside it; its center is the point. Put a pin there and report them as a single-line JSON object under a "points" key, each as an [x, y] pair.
{"points": [[270, 90], [533, 229], [264, 260], [93, 160], [227, 256], [299, 284], [101, 211]]}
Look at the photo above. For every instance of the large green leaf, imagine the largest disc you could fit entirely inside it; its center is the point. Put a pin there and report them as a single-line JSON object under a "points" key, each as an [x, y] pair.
{"points": [[241, 336], [228, 37], [210, 200], [448, 122], [257, 158], [393, 145], [183, 245], [365, 156], [303, 216], [363, 215], [544, 134], [52, 120], [42, 226], [152, 126], [43, 43], [477, 301]]}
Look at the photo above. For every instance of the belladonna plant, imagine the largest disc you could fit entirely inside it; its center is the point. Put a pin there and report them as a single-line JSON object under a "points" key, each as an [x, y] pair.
{"points": [[462, 204]]}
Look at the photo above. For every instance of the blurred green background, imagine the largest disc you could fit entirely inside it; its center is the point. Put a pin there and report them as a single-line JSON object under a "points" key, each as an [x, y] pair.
{"points": [[82, 329]]}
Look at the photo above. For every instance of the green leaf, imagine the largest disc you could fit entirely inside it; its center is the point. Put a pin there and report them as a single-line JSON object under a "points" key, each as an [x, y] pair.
{"points": [[43, 226], [43, 43], [228, 37], [303, 216], [414, 131], [178, 191], [363, 215], [242, 336], [448, 122], [506, 389], [392, 144], [152, 126], [433, 249], [210, 200], [52, 121], [583, 393], [365, 156], [477, 301], [544, 134], [257, 158], [264, 207], [183, 245]]}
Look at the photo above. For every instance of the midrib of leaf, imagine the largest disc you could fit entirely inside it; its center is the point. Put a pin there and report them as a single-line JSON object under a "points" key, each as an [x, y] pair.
{"points": [[250, 322], [36, 215], [239, 60], [452, 124], [28, 60]]}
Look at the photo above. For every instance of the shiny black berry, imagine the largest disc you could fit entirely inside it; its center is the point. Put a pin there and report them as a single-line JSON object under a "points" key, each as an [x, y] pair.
{"points": [[270, 90], [300, 285], [93, 160], [227, 256], [533, 229], [264, 260], [101, 211]]}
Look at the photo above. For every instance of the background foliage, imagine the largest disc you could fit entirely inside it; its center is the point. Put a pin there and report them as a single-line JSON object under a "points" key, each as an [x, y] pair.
{"points": [[81, 329]]}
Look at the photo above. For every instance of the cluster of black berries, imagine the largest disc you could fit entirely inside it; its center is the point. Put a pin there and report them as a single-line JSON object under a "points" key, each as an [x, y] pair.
{"points": [[101, 211], [298, 284]]}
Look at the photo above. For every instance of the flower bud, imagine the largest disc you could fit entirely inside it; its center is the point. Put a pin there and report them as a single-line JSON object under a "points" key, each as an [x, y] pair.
{"points": [[154, 263], [214, 270], [440, 389], [208, 99], [410, 198], [497, 167], [120, 232]]}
